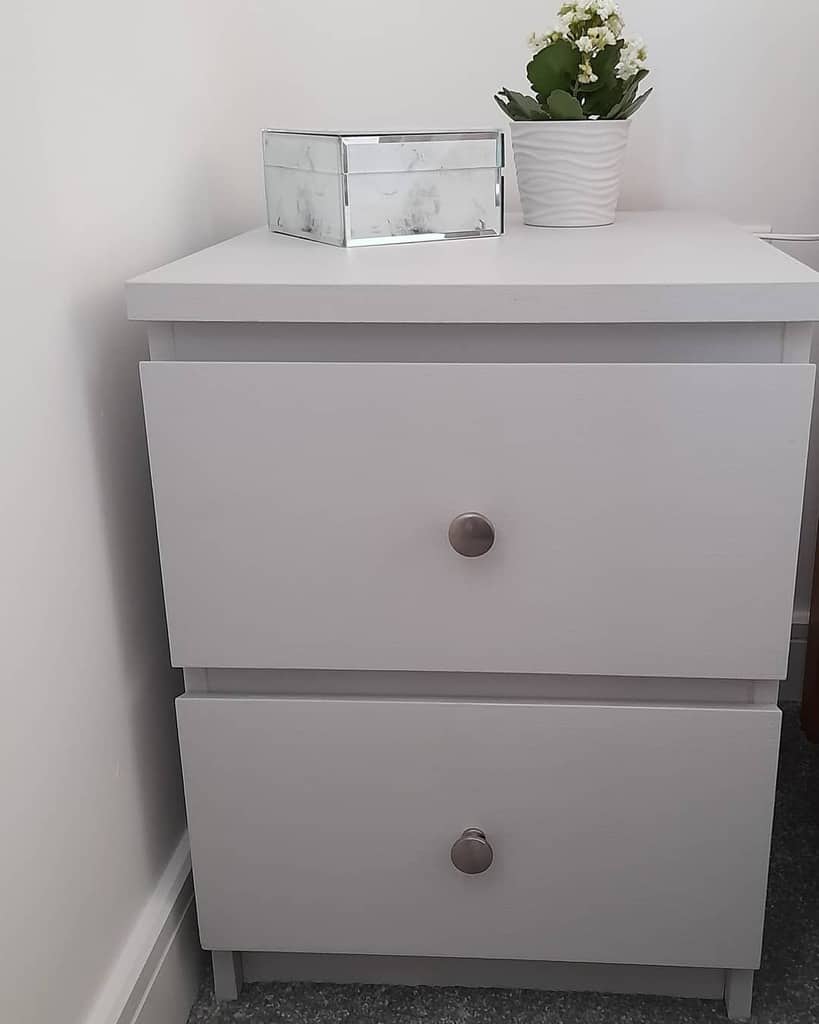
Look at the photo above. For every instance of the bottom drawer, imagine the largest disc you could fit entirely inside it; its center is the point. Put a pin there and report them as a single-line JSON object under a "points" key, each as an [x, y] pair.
{"points": [[620, 834]]}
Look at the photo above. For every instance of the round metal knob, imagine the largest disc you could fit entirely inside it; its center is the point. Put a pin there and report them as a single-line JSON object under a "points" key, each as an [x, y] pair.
{"points": [[471, 853], [471, 534]]}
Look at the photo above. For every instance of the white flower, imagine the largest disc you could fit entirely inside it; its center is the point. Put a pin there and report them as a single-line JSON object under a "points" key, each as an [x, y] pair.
{"points": [[583, 10], [585, 74], [590, 26], [633, 58], [615, 24], [574, 12], [562, 28], [601, 36], [537, 42], [605, 9], [575, 15]]}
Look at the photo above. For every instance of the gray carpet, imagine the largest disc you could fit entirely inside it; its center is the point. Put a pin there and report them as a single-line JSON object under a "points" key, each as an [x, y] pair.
{"points": [[787, 986]]}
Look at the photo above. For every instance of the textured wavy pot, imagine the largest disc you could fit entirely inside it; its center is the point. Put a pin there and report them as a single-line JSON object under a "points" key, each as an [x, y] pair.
{"points": [[569, 171]]}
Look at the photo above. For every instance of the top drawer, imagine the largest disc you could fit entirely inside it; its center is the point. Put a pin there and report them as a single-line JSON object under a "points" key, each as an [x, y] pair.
{"points": [[646, 517]]}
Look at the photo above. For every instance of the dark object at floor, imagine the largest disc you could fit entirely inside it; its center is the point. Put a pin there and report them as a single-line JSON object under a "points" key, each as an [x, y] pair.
{"points": [[786, 990], [810, 687]]}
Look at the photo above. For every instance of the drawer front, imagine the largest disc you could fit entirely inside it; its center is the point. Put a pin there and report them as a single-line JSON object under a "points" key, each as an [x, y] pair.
{"points": [[646, 517], [620, 834]]}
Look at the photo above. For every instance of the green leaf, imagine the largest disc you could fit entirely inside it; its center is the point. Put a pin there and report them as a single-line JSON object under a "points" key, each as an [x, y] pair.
{"points": [[519, 107], [614, 93], [601, 102], [628, 97], [603, 66], [635, 106], [553, 67], [503, 104], [564, 107]]}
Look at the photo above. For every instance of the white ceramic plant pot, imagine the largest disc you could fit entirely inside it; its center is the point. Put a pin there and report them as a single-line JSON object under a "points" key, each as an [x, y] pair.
{"points": [[569, 172]]}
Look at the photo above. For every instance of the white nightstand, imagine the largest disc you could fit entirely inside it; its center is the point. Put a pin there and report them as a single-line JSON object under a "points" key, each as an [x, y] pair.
{"points": [[584, 672]]}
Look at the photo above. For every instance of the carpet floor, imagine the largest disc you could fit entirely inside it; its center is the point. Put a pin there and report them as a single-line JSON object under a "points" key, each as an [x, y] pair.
{"points": [[786, 989]]}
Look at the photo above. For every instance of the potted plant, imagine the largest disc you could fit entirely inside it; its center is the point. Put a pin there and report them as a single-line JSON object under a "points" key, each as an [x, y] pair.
{"points": [[569, 138]]}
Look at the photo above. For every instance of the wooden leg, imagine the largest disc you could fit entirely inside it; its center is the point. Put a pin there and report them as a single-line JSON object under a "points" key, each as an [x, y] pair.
{"points": [[739, 988], [227, 974]]}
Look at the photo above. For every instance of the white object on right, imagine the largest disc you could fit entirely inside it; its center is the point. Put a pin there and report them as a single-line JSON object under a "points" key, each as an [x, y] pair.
{"points": [[569, 172]]}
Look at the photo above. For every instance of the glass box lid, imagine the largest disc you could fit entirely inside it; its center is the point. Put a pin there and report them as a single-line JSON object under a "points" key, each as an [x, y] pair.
{"points": [[368, 153]]}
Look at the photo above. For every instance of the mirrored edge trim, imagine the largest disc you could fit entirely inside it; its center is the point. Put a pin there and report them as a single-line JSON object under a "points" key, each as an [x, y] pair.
{"points": [[307, 170], [287, 131], [352, 140], [352, 243], [392, 137], [340, 244], [433, 236], [346, 215]]}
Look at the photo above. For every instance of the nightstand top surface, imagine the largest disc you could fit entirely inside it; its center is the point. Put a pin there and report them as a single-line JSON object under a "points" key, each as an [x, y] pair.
{"points": [[658, 267]]}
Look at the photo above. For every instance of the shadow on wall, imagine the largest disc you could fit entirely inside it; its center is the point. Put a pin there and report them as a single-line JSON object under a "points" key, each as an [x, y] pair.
{"points": [[109, 352], [109, 349]]}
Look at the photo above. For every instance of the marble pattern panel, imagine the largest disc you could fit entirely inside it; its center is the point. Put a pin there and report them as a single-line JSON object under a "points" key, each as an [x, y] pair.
{"points": [[398, 189]]}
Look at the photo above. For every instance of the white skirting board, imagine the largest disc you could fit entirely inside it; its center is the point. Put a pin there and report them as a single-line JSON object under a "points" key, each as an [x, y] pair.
{"points": [[156, 975]]}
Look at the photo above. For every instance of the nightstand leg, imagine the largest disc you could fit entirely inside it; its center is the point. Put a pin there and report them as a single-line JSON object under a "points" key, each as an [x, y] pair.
{"points": [[739, 987], [227, 974]]}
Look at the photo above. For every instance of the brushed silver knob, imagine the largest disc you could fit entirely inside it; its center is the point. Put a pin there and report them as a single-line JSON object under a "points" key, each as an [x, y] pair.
{"points": [[471, 534], [471, 852]]}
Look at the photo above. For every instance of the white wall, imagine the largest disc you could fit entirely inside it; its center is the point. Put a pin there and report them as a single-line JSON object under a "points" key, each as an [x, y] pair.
{"points": [[131, 136], [119, 153], [730, 127]]}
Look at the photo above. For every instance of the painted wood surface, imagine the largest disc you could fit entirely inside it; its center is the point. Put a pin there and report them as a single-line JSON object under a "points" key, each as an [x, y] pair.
{"points": [[621, 834], [646, 516], [659, 267]]}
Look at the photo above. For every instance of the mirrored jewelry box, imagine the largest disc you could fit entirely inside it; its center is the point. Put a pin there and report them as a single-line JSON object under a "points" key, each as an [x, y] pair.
{"points": [[367, 189]]}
